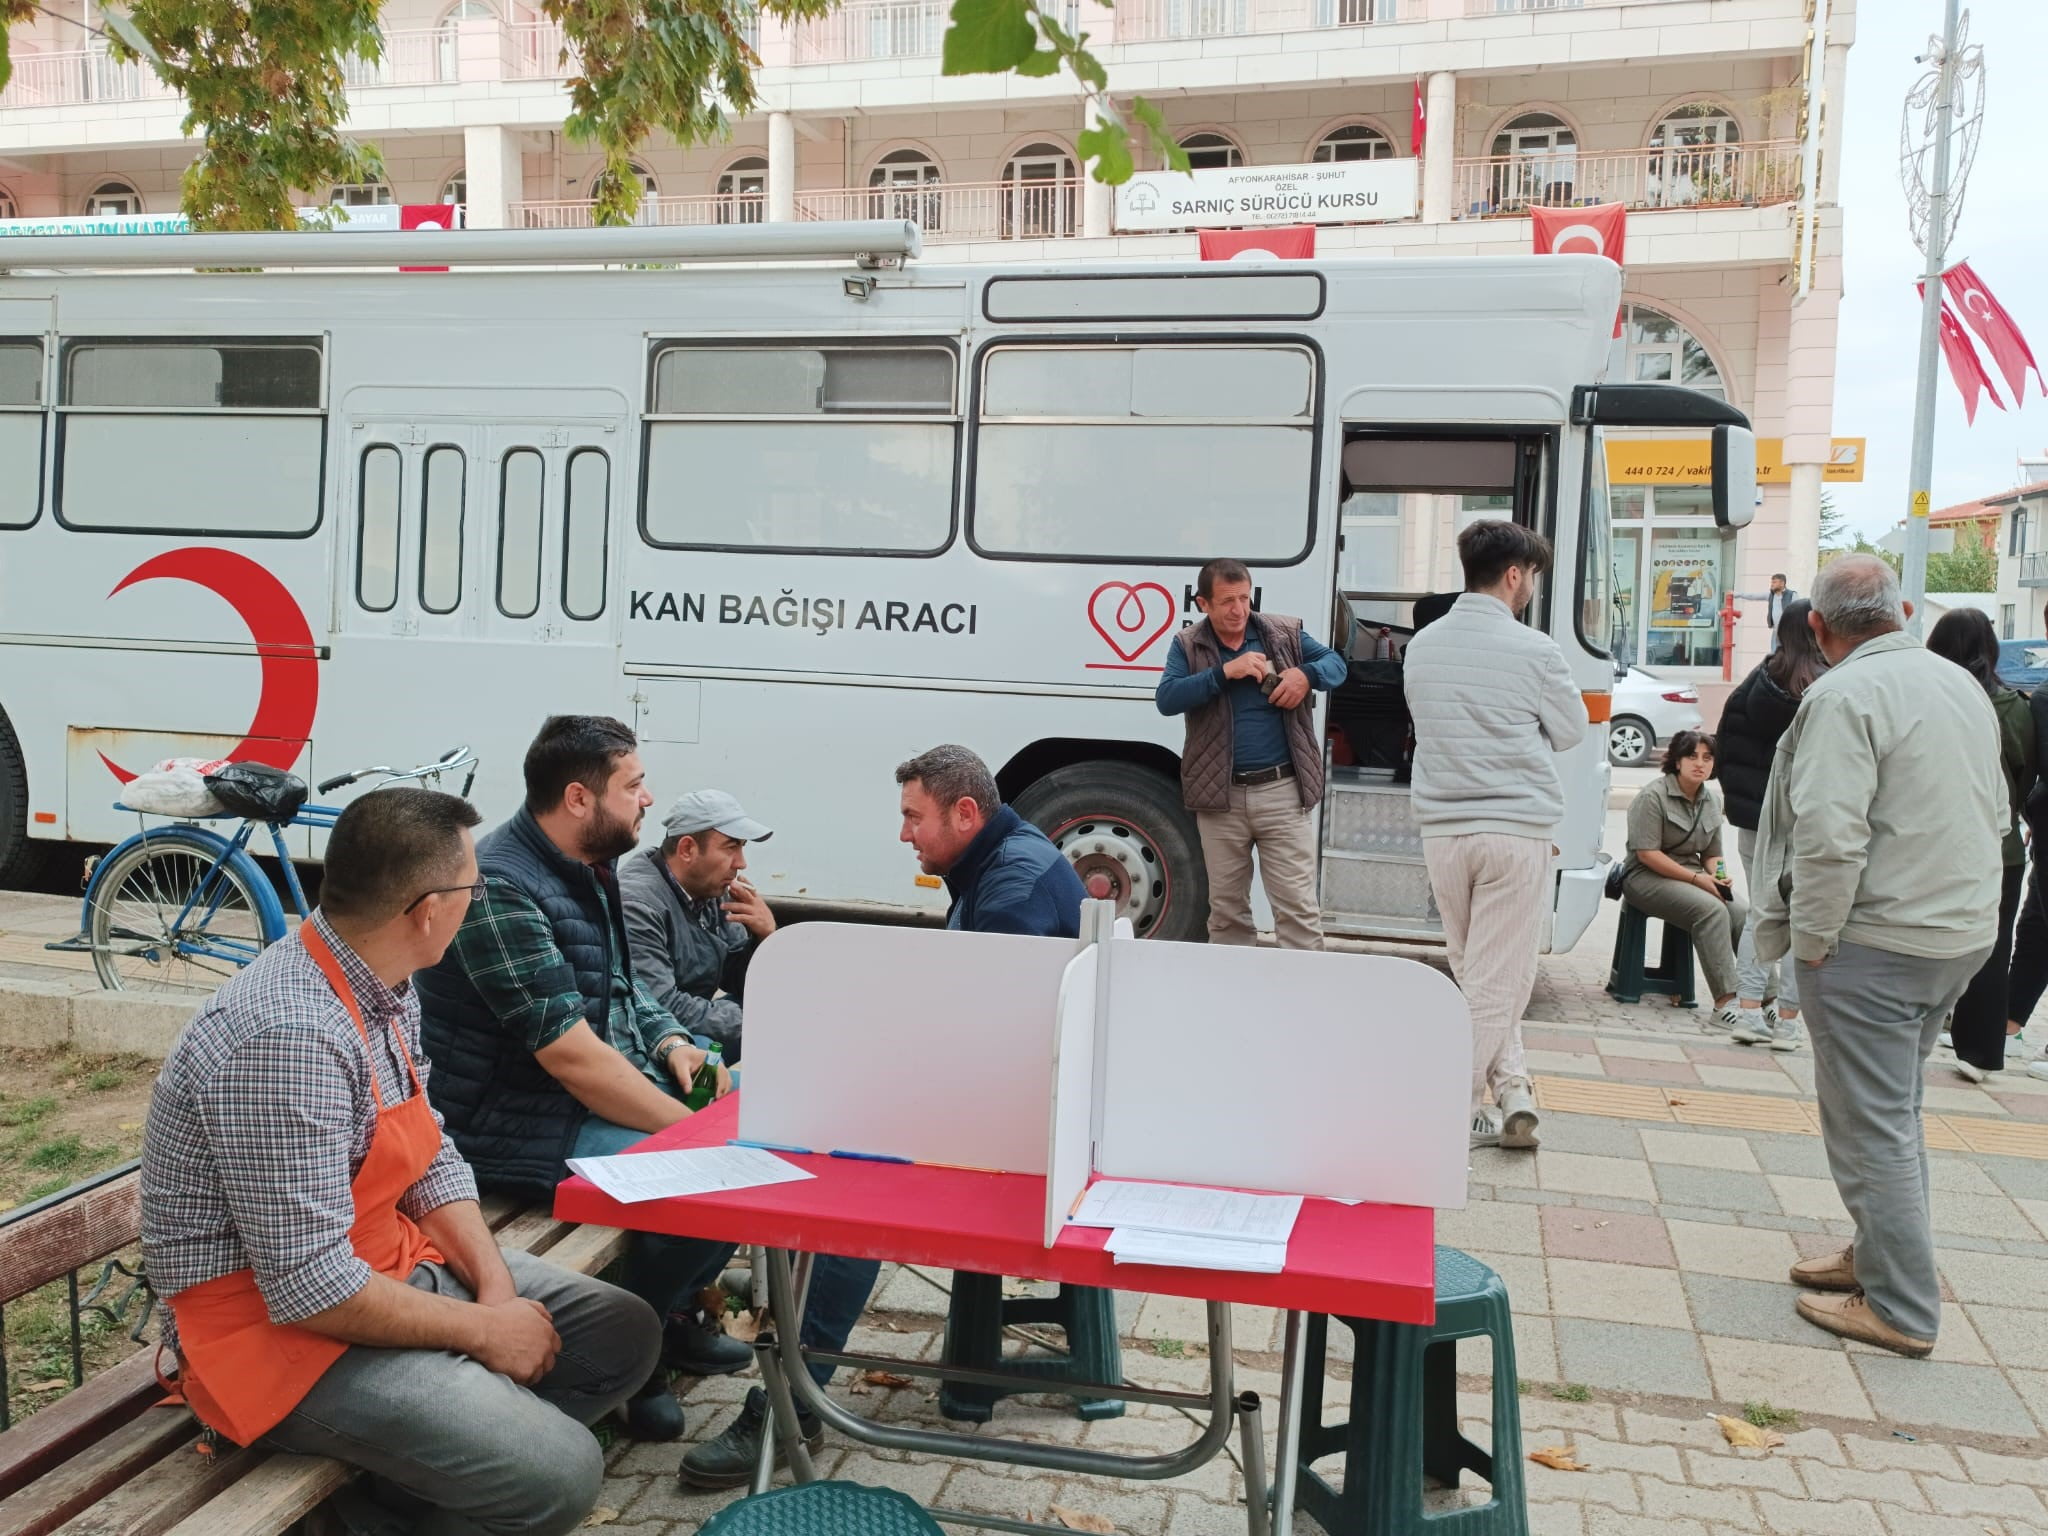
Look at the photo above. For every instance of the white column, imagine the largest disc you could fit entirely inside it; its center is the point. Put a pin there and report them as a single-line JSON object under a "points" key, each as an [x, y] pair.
{"points": [[496, 173], [1802, 526], [1098, 208], [1439, 147], [781, 168], [1834, 88]]}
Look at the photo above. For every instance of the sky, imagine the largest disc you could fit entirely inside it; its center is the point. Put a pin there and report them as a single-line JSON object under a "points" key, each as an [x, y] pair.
{"points": [[2003, 233]]}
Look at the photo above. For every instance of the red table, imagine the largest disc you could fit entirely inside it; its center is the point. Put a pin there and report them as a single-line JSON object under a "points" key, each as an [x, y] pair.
{"points": [[1372, 1261]]}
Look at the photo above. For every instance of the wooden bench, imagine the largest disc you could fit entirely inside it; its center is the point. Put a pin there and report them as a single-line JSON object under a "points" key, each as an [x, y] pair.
{"points": [[113, 1459]]}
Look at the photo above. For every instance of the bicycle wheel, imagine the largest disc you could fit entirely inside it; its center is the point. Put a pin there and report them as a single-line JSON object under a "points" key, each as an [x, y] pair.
{"points": [[171, 917]]}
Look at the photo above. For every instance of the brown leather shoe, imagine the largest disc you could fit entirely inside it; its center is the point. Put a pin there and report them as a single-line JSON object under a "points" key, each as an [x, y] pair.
{"points": [[1851, 1317], [1831, 1272]]}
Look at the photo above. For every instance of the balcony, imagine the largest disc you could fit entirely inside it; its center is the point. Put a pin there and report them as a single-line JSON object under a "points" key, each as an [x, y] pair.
{"points": [[744, 208], [2034, 570], [76, 76], [958, 212], [1148, 21], [1739, 176], [873, 29]]}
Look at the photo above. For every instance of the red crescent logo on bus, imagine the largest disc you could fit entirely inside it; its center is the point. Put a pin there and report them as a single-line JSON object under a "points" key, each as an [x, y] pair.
{"points": [[290, 691], [1131, 614]]}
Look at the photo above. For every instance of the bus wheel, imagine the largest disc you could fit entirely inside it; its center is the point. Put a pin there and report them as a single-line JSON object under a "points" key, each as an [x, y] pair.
{"points": [[21, 860], [1130, 839]]}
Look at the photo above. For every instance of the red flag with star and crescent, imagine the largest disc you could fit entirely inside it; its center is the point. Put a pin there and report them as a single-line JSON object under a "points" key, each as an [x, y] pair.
{"points": [[1988, 318]]}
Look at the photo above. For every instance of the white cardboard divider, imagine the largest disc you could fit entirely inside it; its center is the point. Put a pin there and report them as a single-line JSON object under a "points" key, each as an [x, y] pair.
{"points": [[1073, 1088], [1302, 1073], [903, 1042]]}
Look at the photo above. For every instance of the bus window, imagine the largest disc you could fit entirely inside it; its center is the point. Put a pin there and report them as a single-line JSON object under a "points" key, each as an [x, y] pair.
{"points": [[1596, 551], [519, 513], [441, 493], [1165, 452], [377, 524], [21, 432], [585, 533]]}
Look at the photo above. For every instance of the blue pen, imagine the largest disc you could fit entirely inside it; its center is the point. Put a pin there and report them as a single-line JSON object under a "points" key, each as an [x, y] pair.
{"points": [[768, 1146], [870, 1157]]}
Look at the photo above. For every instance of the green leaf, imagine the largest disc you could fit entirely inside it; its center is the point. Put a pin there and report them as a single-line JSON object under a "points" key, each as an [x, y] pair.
{"points": [[1055, 33], [988, 36], [1109, 147], [1041, 64], [1158, 134], [1088, 70], [131, 37]]}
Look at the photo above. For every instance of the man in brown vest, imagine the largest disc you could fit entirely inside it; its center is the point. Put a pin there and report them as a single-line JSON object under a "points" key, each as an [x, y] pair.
{"points": [[1252, 769]]}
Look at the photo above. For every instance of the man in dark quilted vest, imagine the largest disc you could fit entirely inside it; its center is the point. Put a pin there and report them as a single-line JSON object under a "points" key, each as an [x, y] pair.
{"points": [[536, 1027], [1252, 769]]}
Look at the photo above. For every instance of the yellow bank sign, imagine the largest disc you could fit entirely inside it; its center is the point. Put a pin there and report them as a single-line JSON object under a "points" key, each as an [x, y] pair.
{"points": [[1689, 461]]}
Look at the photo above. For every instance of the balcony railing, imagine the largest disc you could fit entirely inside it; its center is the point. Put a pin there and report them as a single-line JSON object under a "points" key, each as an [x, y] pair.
{"points": [[78, 75], [537, 50], [1531, 7], [1744, 175], [742, 208], [951, 213], [873, 29], [2034, 570], [1144, 21], [423, 56]]}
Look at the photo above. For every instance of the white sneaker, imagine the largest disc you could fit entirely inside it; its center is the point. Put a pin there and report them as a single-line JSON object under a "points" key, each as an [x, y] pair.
{"points": [[1485, 1127], [1784, 1033], [2037, 1069], [1947, 1041], [1518, 1115], [1753, 1025], [1722, 1021], [1969, 1072]]}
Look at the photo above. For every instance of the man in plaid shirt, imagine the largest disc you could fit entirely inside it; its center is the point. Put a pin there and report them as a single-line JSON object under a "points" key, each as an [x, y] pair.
{"points": [[331, 1285]]}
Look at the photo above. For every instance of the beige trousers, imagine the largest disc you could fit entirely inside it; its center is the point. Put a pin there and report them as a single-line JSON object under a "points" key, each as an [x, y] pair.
{"points": [[1270, 818], [1491, 889]]}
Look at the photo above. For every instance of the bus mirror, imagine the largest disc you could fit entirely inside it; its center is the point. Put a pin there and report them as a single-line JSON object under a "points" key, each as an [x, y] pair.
{"points": [[1734, 476]]}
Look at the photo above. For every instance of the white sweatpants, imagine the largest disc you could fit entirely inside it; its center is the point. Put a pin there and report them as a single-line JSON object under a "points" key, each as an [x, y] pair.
{"points": [[1490, 888]]}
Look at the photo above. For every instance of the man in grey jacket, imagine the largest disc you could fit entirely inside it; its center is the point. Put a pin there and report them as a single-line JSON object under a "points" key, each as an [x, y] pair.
{"points": [[1493, 702], [1879, 874], [691, 916]]}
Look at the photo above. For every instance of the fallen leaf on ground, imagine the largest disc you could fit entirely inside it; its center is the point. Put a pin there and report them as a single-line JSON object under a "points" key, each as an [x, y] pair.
{"points": [[886, 1379], [744, 1326], [859, 1389], [1076, 1520], [601, 1516], [55, 1383], [1740, 1432], [1558, 1458]]}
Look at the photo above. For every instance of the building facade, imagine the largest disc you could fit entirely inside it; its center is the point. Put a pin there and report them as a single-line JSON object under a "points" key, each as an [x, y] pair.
{"points": [[1698, 115]]}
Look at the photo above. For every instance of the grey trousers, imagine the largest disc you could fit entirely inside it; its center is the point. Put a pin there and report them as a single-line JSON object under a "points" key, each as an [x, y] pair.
{"points": [[1755, 981], [1873, 1017], [456, 1449], [1714, 924]]}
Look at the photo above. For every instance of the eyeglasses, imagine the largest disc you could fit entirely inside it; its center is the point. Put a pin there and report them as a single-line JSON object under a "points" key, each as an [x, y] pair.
{"points": [[475, 890]]}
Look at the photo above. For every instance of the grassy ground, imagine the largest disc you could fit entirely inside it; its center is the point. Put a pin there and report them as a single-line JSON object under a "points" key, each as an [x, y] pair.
{"points": [[63, 1118]]}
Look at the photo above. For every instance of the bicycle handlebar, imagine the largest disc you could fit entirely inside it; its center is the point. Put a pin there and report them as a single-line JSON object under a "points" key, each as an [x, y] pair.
{"points": [[453, 758]]}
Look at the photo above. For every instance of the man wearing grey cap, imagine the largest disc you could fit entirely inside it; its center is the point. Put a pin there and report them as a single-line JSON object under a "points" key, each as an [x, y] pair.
{"points": [[691, 917]]}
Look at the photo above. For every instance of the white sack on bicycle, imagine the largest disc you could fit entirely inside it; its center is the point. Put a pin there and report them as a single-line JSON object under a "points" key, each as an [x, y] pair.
{"points": [[174, 787]]}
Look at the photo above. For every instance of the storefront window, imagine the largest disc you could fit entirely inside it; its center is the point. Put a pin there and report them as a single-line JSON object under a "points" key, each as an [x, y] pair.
{"points": [[1671, 570]]}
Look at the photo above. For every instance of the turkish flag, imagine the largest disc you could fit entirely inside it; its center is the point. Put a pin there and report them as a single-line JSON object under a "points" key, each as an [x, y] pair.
{"points": [[1965, 367], [1289, 242], [1419, 127], [429, 216], [1601, 230], [1987, 317]]}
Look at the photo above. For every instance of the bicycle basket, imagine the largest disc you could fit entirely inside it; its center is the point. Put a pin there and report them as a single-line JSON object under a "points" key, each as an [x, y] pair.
{"points": [[258, 791]]}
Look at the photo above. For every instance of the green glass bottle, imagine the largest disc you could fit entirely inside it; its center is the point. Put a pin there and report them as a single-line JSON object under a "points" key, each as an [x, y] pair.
{"points": [[705, 1084]]}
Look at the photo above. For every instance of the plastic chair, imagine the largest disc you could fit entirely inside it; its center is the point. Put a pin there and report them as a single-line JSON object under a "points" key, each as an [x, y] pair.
{"points": [[824, 1509], [974, 1339], [1403, 1424], [1628, 980]]}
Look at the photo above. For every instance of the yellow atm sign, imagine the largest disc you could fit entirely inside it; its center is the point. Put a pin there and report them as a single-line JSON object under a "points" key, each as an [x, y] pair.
{"points": [[1689, 461]]}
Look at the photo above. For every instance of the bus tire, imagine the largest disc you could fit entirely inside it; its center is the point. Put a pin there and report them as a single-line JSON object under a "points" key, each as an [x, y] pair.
{"points": [[1131, 841], [21, 858]]}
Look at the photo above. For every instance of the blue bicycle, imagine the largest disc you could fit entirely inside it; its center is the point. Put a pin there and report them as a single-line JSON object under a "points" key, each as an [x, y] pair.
{"points": [[180, 908]]}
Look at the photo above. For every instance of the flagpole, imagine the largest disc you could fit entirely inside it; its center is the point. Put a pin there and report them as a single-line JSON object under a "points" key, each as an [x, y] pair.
{"points": [[1918, 499]]}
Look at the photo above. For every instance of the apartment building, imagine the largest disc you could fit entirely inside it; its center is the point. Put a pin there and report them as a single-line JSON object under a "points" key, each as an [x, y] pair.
{"points": [[1695, 114]]}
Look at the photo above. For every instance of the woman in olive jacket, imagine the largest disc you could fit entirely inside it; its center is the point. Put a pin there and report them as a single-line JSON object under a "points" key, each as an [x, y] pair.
{"points": [[1757, 713]]}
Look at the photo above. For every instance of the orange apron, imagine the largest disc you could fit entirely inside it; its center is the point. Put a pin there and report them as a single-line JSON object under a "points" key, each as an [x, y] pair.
{"points": [[240, 1372]]}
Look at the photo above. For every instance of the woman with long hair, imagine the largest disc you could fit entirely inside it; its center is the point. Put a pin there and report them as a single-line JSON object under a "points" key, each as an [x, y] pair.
{"points": [[1978, 1027], [1757, 713]]}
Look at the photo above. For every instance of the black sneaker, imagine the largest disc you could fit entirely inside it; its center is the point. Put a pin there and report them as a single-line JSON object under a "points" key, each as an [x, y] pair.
{"points": [[694, 1347], [729, 1458], [653, 1413]]}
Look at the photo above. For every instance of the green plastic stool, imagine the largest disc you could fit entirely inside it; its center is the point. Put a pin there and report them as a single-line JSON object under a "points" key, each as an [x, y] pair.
{"points": [[1627, 980], [974, 1340], [824, 1509], [1403, 1424]]}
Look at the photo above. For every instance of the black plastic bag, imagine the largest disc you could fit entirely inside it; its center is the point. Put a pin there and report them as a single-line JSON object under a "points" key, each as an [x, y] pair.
{"points": [[258, 791]]}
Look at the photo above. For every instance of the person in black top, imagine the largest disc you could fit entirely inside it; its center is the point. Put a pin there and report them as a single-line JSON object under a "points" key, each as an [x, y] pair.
{"points": [[1757, 713], [2028, 978]]}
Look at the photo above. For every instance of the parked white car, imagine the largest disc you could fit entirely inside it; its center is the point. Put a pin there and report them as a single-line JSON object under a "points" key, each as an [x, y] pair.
{"points": [[1647, 712]]}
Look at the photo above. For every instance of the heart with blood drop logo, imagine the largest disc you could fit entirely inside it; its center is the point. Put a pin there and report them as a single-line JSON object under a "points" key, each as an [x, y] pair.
{"points": [[1127, 616]]}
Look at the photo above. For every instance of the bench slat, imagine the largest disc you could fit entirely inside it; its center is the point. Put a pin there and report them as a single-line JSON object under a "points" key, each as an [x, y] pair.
{"points": [[95, 1472], [586, 1250], [279, 1490], [534, 1231], [162, 1495], [104, 1403], [50, 1244], [499, 1209]]}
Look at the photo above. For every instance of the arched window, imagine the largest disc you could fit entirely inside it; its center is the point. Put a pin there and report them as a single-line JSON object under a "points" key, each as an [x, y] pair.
{"points": [[1537, 158], [899, 182], [1700, 166], [743, 189], [1354, 141], [1656, 349], [456, 188], [1039, 194], [449, 60], [363, 194], [113, 200], [1211, 152]]}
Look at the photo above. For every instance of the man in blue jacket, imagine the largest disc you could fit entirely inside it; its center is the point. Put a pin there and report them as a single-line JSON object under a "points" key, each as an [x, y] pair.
{"points": [[1004, 874]]}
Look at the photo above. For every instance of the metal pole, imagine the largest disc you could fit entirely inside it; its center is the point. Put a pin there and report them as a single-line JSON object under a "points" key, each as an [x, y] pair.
{"points": [[1918, 500]]}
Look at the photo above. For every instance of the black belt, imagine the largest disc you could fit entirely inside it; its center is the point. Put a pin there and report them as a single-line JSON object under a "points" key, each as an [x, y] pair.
{"points": [[1272, 775]]}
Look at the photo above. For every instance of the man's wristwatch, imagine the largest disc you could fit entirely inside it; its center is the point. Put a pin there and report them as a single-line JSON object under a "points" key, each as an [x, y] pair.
{"points": [[666, 1049]]}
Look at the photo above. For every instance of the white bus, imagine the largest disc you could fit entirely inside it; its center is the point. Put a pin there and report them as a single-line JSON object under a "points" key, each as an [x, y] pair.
{"points": [[794, 514]]}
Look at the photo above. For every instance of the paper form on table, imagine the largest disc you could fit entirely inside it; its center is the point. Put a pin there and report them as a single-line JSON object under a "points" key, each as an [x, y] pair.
{"points": [[1178, 1251], [635, 1176], [1190, 1210]]}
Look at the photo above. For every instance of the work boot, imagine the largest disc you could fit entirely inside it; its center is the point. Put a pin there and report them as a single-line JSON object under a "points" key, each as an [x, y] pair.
{"points": [[653, 1413], [690, 1345], [1829, 1272], [1852, 1317], [1518, 1115], [728, 1459]]}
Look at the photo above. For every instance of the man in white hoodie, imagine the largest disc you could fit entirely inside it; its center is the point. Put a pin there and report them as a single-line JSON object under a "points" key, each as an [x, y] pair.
{"points": [[1493, 702]]}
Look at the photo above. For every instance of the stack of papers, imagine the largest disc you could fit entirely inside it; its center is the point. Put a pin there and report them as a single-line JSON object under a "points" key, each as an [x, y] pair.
{"points": [[1190, 1227], [636, 1176]]}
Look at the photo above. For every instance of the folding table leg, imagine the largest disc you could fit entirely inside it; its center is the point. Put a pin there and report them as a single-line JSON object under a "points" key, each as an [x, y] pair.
{"points": [[1288, 1453], [1251, 1439], [781, 1405]]}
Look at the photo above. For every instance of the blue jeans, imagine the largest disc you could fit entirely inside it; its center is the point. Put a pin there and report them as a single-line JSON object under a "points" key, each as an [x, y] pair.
{"points": [[839, 1294]]}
